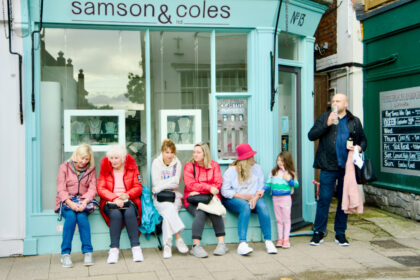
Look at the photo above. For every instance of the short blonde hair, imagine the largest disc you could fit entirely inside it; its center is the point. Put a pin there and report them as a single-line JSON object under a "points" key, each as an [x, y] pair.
{"points": [[84, 150], [207, 156], [117, 150], [243, 167], [167, 143]]}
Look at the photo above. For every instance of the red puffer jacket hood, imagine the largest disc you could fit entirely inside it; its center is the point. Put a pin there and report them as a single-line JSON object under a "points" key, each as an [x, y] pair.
{"points": [[132, 183]]}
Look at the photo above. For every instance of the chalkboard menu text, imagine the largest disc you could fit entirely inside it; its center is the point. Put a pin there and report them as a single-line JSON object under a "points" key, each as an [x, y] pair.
{"points": [[400, 131]]}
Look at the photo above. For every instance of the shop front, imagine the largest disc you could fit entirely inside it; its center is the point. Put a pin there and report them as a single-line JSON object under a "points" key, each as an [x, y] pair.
{"points": [[136, 73]]}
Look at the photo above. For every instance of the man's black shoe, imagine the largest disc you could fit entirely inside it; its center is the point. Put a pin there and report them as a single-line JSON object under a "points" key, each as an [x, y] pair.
{"points": [[341, 240], [317, 239]]}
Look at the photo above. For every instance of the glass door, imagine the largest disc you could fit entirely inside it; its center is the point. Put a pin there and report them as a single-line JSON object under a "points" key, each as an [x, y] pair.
{"points": [[289, 126]]}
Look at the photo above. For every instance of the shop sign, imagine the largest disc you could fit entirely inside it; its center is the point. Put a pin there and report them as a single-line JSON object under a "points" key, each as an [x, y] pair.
{"points": [[400, 131], [214, 13]]}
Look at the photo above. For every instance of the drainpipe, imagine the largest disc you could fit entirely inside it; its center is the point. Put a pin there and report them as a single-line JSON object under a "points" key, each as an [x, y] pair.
{"points": [[33, 55], [9, 20], [273, 61], [349, 96]]}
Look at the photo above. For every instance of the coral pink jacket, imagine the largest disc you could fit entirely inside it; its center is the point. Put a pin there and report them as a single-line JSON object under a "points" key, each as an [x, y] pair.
{"points": [[68, 184], [352, 200], [204, 179]]}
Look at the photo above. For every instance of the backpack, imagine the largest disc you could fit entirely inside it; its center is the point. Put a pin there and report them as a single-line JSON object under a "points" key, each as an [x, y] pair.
{"points": [[151, 221]]}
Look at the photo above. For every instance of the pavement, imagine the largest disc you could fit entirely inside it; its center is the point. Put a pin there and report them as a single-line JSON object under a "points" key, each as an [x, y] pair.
{"points": [[382, 246]]}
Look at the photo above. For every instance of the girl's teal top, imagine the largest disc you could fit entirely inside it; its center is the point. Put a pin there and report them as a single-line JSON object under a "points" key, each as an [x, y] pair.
{"points": [[280, 186]]}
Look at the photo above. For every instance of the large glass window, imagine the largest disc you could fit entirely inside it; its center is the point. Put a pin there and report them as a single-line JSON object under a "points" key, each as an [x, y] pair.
{"points": [[231, 62], [83, 71], [289, 46], [180, 89], [93, 90]]}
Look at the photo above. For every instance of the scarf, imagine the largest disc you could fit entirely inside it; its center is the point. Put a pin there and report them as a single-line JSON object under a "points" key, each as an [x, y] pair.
{"points": [[80, 171]]}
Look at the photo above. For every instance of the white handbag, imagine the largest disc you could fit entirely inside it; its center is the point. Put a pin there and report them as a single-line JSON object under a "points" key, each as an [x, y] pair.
{"points": [[215, 207]]}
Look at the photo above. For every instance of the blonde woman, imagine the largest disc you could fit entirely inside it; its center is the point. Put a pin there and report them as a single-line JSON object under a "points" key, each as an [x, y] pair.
{"points": [[203, 176], [76, 188], [166, 175], [242, 188]]}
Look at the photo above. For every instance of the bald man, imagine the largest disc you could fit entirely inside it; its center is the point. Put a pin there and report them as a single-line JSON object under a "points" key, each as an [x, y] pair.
{"points": [[333, 129]]}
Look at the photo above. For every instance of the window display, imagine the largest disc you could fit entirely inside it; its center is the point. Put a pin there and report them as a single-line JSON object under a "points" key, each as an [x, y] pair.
{"points": [[232, 126], [183, 127], [99, 128]]}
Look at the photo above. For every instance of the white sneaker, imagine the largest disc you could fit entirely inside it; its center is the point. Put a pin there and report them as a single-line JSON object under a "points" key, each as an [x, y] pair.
{"points": [[244, 249], [137, 254], [167, 252], [180, 245], [271, 248], [113, 255]]}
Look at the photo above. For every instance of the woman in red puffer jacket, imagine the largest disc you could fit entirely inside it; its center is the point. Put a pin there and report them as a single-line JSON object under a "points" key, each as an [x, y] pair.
{"points": [[203, 176], [119, 186]]}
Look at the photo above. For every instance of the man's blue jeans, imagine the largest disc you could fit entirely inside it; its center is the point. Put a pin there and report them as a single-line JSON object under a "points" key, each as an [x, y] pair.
{"points": [[71, 218], [241, 207], [328, 181]]}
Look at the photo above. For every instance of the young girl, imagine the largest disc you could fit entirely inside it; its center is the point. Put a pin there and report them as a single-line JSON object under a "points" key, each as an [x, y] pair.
{"points": [[76, 188], [282, 179]]}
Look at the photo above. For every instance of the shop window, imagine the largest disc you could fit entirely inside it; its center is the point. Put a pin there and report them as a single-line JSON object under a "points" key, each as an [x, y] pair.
{"points": [[232, 126], [289, 47], [180, 89], [231, 62], [96, 78]]}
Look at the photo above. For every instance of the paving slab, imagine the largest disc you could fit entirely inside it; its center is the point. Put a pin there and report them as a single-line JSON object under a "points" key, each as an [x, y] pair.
{"points": [[410, 242], [397, 227], [102, 277], [5, 267], [191, 273], [78, 270], [268, 270], [223, 263], [33, 267], [233, 275], [101, 267], [138, 276]]}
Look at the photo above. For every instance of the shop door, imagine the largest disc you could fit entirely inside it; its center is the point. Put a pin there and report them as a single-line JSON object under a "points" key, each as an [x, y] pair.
{"points": [[289, 127]]}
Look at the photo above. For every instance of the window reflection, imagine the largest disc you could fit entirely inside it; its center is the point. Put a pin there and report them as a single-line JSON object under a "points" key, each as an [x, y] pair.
{"points": [[90, 70], [231, 62], [289, 47], [180, 88]]}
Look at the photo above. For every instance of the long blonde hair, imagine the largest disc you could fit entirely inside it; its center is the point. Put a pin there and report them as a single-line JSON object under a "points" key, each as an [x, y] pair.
{"points": [[243, 167], [206, 151], [83, 150]]}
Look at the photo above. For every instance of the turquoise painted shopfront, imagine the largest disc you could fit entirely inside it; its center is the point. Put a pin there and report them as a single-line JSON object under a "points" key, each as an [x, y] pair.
{"points": [[136, 72]]}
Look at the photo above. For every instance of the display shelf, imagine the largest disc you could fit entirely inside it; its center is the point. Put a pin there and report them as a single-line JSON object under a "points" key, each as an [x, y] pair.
{"points": [[183, 127], [99, 128]]}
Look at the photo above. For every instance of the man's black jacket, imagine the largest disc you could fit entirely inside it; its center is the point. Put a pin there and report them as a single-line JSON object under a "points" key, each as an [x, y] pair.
{"points": [[326, 156]]}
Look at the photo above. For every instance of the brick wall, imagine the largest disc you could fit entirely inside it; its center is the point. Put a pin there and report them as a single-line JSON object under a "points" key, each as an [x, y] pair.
{"points": [[327, 32]]}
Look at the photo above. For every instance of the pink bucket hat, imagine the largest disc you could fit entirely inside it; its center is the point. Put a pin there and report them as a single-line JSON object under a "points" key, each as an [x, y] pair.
{"points": [[244, 151]]}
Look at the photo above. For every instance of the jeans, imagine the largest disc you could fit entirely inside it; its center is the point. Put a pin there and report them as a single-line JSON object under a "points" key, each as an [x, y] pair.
{"points": [[200, 219], [71, 219], [241, 207], [116, 217], [328, 180]]}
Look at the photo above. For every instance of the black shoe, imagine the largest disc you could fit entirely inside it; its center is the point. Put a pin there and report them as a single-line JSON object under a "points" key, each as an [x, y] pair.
{"points": [[317, 239], [341, 240]]}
